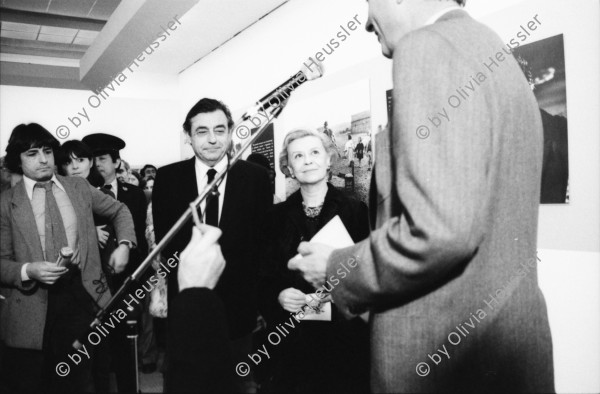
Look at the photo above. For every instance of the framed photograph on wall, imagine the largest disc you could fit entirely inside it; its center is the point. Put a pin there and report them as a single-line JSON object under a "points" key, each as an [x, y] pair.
{"points": [[543, 63]]}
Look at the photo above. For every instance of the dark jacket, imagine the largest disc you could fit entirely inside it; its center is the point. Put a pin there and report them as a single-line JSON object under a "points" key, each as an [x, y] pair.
{"points": [[247, 198], [285, 229], [341, 345], [135, 199]]}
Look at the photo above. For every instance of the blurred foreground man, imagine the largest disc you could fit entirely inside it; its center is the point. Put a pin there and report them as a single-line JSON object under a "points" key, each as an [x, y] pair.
{"points": [[449, 273], [200, 358]]}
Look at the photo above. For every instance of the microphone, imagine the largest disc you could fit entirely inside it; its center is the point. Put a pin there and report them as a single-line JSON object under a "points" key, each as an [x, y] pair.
{"points": [[271, 106], [280, 94], [64, 257]]}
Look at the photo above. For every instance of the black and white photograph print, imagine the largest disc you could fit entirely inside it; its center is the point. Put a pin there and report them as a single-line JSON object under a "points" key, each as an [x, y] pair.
{"points": [[543, 63], [343, 114]]}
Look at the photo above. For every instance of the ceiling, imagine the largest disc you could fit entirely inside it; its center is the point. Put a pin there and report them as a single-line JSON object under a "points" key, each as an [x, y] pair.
{"points": [[52, 28], [83, 44]]}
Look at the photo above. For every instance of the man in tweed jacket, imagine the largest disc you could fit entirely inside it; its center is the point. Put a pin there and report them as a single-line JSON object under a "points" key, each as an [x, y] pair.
{"points": [[45, 308], [449, 273]]}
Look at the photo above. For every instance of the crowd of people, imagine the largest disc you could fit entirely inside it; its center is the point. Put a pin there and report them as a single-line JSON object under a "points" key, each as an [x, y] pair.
{"points": [[447, 225], [256, 288]]}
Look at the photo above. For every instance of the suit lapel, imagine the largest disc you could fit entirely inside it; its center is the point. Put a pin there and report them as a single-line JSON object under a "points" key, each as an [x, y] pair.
{"points": [[25, 221], [233, 193], [296, 213], [123, 193], [330, 205], [189, 181], [189, 185]]}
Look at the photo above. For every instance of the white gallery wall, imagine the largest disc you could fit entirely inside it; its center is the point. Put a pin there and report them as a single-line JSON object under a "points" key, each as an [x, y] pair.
{"points": [[569, 234], [143, 110]]}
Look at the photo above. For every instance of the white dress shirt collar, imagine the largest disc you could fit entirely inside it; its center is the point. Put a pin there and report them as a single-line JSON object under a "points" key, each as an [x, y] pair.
{"points": [[202, 168], [441, 13], [30, 184]]}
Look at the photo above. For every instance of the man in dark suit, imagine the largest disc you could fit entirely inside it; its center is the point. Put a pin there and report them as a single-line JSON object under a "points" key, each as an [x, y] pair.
{"points": [[107, 160], [48, 307], [244, 197], [449, 273]]}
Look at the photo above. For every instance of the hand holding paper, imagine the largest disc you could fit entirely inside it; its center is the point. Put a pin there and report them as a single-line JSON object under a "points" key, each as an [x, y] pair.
{"points": [[312, 261]]}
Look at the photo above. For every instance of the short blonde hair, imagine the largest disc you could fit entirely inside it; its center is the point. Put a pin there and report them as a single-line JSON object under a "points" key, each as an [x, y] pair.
{"points": [[296, 135]]}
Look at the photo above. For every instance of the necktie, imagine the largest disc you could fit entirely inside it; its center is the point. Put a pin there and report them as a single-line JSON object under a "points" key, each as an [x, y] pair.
{"points": [[55, 234], [109, 191], [212, 204]]}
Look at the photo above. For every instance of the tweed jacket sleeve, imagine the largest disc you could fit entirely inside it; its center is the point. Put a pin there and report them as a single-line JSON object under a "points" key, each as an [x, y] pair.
{"points": [[432, 189]]}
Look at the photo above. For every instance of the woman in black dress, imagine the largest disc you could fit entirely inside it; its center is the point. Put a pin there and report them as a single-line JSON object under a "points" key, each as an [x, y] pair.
{"points": [[316, 356], [359, 150]]}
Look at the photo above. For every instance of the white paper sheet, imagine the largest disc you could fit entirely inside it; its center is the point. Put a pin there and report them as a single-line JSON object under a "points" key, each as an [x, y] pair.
{"points": [[333, 234]]}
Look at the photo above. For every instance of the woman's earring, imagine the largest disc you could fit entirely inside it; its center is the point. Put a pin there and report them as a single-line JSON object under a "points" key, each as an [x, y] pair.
{"points": [[293, 176]]}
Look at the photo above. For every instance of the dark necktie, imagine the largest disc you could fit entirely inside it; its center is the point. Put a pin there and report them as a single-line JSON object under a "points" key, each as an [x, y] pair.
{"points": [[55, 234], [212, 204], [109, 191]]}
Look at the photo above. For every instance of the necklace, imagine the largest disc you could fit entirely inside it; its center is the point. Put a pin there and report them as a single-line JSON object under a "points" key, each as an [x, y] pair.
{"points": [[312, 212]]}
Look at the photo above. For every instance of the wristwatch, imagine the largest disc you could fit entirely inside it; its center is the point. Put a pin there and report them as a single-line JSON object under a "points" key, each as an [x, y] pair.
{"points": [[126, 242]]}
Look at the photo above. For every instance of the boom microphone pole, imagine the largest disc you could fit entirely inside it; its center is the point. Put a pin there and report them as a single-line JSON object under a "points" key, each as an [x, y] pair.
{"points": [[269, 107]]}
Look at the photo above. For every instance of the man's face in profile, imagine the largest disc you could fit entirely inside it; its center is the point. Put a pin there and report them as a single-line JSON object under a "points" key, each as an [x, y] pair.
{"points": [[379, 21], [390, 20]]}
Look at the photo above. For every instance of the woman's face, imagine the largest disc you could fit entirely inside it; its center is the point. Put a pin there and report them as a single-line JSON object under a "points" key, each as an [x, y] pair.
{"points": [[133, 180], [308, 160], [78, 166], [149, 185]]}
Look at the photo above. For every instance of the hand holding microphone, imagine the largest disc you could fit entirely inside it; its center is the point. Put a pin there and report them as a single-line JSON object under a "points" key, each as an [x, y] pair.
{"points": [[45, 272], [65, 257]]}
